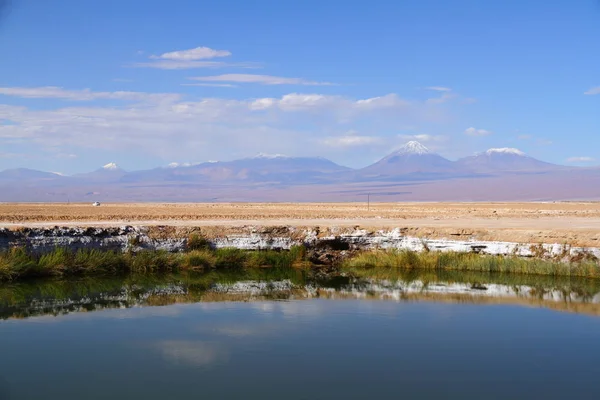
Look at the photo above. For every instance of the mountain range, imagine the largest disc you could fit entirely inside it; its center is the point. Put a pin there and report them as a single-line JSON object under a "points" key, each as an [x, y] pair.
{"points": [[275, 177]]}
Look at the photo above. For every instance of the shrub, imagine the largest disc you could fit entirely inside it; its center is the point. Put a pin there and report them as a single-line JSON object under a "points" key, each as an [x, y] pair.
{"points": [[197, 242], [198, 259], [230, 258]]}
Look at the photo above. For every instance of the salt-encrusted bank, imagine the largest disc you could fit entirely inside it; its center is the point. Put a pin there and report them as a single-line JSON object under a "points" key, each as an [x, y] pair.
{"points": [[278, 238]]}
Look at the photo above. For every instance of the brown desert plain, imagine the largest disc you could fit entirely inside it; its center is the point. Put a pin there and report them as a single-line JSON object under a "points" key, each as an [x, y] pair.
{"points": [[574, 223]]}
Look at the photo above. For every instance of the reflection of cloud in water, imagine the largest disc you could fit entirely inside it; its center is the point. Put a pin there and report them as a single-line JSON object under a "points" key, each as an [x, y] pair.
{"points": [[266, 308], [192, 352], [296, 309]]}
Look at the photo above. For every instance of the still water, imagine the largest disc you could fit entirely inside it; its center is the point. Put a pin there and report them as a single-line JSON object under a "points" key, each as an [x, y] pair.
{"points": [[222, 337]]}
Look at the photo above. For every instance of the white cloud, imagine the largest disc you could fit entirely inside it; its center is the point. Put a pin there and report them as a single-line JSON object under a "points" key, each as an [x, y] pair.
{"points": [[297, 101], [350, 140], [55, 92], [195, 129], [477, 132], [524, 137], [198, 53], [229, 85], [334, 105], [199, 57], [576, 160], [439, 88], [593, 91], [260, 79], [445, 97], [177, 64], [423, 137], [262, 104], [388, 101]]}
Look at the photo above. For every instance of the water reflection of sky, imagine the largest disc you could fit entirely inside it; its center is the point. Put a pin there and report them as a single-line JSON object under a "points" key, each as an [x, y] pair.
{"points": [[303, 349]]}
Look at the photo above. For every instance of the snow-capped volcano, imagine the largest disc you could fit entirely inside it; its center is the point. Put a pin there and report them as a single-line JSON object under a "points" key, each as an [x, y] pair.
{"points": [[505, 159], [505, 150], [412, 158], [269, 156], [108, 173], [412, 147], [183, 165], [111, 167]]}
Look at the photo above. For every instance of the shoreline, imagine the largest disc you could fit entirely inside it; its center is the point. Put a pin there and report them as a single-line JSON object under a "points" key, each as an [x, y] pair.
{"points": [[33, 253], [568, 223], [565, 234]]}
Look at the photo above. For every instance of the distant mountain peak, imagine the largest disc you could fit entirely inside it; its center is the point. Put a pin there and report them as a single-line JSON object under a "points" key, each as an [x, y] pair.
{"points": [[111, 167], [412, 147], [269, 156], [179, 165], [505, 150]]}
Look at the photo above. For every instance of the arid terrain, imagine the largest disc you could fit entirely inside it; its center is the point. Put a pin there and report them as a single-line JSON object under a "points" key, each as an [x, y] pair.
{"points": [[576, 223]]}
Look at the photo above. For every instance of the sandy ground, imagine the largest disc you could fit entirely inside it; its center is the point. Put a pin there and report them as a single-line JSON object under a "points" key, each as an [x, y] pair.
{"points": [[576, 223]]}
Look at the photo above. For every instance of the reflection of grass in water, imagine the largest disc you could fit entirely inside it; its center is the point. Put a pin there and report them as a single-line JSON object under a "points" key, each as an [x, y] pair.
{"points": [[20, 299], [381, 261], [582, 287], [18, 293]]}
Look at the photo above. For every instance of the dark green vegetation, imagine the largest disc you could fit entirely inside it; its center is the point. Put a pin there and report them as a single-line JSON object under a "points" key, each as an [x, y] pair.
{"points": [[17, 263], [381, 263]]}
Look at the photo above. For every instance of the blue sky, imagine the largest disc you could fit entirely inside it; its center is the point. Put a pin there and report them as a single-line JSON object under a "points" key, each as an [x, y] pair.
{"points": [[147, 83]]}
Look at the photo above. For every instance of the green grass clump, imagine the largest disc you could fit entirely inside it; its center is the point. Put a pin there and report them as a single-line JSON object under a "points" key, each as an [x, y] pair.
{"points": [[382, 261], [278, 259], [198, 260], [93, 260], [17, 263], [230, 258], [197, 242], [152, 261]]}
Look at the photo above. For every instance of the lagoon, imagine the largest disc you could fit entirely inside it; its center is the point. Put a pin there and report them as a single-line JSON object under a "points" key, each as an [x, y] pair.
{"points": [[281, 335]]}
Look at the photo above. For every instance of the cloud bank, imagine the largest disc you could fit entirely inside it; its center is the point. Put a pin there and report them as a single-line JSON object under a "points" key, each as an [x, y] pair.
{"points": [[260, 79], [170, 126]]}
